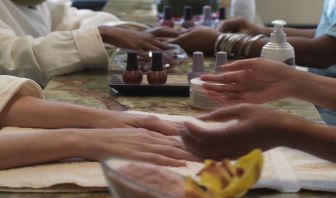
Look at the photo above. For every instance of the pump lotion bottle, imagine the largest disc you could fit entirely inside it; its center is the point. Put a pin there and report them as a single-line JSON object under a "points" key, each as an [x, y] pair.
{"points": [[278, 49]]}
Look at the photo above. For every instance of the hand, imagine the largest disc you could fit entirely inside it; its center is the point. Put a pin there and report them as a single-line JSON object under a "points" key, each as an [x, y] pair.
{"points": [[198, 39], [164, 32], [151, 177], [241, 25], [139, 144], [252, 81], [114, 119], [130, 39], [257, 127]]}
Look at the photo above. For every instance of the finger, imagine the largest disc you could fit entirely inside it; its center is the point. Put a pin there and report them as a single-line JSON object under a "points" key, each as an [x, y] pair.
{"points": [[238, 65], [172, 152], [160, 45], [167, 127], [225, 78], [150, 47], [159, 159], [223, 114], [222, 88]]}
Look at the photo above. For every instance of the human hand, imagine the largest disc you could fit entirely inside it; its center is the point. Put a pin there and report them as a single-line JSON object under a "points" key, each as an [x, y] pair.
{"points": [[257, 127], [138, 144], [163, 32], [154, 179], [130, 39], [114, 119], [252, 81], [197, 39], [241, 25]]}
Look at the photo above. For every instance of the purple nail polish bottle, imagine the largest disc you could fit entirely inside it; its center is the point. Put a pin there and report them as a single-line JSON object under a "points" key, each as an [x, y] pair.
{"points": [[157, 75], [207, 17], [187, 21], [197, 67], [132, 74], [167, 18], [221, 59]]}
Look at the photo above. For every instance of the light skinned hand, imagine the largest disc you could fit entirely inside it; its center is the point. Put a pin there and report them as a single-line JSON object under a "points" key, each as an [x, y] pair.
{"points": [[139, 144], [257, 127], [251, 81], [241, 25], [131, 39], [197, 39], [114, 119]]}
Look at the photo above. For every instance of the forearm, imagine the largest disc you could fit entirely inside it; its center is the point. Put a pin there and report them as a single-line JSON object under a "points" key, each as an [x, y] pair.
{"points": [[316, 89], [313, 138], [37, 147], [36, 113], [308, 52]]}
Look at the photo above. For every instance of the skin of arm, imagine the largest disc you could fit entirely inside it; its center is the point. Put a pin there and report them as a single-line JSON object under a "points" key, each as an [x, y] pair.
{"points": [[30, 112], [259, 81], [22, 149], [262, 128]]}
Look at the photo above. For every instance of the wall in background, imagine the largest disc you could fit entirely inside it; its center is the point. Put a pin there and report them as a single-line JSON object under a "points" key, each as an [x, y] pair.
{"points": [[302, 12]]}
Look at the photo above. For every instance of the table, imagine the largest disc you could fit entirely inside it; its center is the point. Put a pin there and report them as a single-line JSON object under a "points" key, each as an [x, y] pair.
{"points": [[90, 88]]}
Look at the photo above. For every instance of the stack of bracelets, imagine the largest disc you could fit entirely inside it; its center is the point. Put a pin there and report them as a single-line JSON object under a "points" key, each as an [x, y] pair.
{"points": [[227, 41]]}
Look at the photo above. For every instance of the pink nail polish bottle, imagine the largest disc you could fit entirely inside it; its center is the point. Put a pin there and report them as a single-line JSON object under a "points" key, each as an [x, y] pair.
{"points": [[157, 75], [197, 67], [167, 18], [187, 21], [132, 74], [221, 59]]}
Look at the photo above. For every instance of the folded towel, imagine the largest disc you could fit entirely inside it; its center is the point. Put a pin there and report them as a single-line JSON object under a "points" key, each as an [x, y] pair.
{"points": [[285, 170]]}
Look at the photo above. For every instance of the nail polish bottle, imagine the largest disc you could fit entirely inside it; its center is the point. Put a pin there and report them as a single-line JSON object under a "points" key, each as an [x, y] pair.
{"points": [[207, 17], [132, 74], [187, 21], [157, 75], [221, 17], [167, 18], [221, 59], [197, 67]]}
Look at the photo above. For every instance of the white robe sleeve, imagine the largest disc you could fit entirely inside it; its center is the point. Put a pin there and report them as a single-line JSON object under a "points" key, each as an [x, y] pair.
{"points": [[73, 44], [10, 86]]}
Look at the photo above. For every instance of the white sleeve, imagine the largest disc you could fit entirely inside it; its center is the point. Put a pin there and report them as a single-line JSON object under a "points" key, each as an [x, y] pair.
{"points": [[57, 53], [9, 86]]}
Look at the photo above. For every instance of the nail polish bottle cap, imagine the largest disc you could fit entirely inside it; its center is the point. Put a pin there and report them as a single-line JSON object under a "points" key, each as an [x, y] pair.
{"points": [[187, 15], [132, 61], [222, 13], [198, 62], [157, 62], [221, 58], [207, 13], [167, 13]]}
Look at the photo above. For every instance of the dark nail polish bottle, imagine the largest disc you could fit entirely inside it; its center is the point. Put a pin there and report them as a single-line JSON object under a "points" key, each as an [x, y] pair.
{"points": [[157, 75], [187, 21], [221, 16], [132, 74], [207, 17], [167, 18], [221, 59], [198, 66]]}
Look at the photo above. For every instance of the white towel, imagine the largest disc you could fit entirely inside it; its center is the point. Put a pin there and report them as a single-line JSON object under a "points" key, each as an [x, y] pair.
{"points": [[285, 170]]}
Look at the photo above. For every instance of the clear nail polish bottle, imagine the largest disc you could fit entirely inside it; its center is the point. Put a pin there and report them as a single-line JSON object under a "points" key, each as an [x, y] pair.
{"points": [[132, 74], [157, 75]]}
